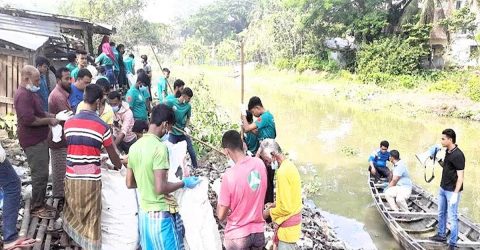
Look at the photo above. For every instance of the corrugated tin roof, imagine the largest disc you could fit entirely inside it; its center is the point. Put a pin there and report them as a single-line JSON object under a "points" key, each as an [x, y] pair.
{"points": [[26, 40], [29, 25], [104, 29]]}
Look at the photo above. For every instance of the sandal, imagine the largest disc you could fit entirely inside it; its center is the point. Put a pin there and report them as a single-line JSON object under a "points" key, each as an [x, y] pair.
{"points": [[43, 213], [20, 243]]}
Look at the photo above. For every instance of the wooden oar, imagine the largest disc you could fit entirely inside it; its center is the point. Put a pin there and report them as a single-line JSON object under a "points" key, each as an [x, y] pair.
{"points": [[202, 142], [158, 61]]}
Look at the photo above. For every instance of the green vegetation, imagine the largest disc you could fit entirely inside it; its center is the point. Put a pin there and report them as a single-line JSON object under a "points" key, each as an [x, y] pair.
{"points": [[209, 122], [9, 123], [131, 28], [385, 45]]}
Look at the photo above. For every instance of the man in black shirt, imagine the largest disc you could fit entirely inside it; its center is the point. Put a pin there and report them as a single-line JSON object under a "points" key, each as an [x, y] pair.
{"points": [[451, 186]]}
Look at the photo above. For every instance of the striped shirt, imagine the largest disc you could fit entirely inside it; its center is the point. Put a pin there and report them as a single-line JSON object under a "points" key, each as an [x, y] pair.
{"points": [[86, 133]]}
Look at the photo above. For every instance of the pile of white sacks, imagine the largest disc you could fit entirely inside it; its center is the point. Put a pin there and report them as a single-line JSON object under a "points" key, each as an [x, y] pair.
{"points": [[120, 209]]}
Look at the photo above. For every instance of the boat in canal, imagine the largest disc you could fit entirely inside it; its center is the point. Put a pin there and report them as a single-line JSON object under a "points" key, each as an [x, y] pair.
{"points": [[413, 228]]}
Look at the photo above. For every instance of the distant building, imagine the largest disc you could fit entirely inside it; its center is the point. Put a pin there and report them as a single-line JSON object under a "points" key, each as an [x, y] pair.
{"points": [[455, 49]]}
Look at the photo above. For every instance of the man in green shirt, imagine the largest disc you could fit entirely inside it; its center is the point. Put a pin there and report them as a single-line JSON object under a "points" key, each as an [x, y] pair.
{"points": [[162, 85], [161, 226], [129, 63], [81, 63], [251, 138], [136, 99], [265, 122], [72, 57], [183, 111], [178, 86]]}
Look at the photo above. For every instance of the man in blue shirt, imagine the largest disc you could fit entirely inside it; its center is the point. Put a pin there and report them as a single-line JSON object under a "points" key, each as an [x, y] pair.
{"points": [[84, 77], [42, 65], [378, 162], [400, 187]]}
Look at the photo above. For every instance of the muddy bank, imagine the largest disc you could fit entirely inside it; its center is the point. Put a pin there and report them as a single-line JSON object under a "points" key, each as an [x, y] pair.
{"points": [[317, 233], [410, 102]]}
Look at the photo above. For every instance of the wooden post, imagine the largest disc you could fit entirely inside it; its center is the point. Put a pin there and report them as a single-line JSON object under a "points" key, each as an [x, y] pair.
{"points": [[242, 62]]}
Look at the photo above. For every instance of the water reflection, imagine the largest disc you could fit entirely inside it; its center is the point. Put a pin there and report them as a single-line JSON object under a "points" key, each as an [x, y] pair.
{"points": [[336, 138]]}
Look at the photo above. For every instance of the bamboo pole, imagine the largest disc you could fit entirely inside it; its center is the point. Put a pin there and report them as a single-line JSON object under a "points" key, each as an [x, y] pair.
{"points": [[26, 219], [43, 226], [202, 142], [242, 76], [160, 65]]}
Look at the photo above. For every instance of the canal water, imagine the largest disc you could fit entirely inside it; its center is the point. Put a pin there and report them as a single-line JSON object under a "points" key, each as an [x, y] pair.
{"points": [[334, 138]]}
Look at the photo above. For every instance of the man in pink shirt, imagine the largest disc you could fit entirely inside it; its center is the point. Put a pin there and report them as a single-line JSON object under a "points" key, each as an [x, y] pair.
{"points": [[123, 122], [242, 194]]}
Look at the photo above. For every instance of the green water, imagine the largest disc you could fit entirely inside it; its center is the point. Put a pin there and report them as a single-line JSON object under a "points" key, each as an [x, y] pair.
{"points": [[317, 130]]}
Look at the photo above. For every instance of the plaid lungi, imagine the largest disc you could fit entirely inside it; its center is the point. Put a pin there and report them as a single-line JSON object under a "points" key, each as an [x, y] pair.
{"points": [[81, 214]]}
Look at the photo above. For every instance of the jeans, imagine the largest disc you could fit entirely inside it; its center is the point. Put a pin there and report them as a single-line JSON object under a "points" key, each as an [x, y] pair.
{"points": [[11, 185], [38, 159], [191, 151], [447, 212]]}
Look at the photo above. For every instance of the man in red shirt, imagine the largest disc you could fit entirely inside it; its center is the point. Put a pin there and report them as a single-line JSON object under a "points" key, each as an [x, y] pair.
{"points": [[57, 102], [86, 134], [33, 126], [241, 198]]}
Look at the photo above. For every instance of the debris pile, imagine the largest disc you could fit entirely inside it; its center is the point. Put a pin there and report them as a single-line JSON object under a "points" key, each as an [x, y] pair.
{"points": [[316, 232]]}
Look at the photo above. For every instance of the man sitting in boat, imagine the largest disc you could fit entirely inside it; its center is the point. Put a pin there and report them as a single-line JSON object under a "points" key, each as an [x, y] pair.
{"points": [[378, 162], [400, 187]]}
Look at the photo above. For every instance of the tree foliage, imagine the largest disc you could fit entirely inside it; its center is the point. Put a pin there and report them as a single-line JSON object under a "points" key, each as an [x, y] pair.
{"points": [[220, 20], [125, 16]]}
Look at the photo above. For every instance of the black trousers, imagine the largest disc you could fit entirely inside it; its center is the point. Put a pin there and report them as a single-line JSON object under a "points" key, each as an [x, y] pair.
{"points": [[381, 172], [269, 196]]}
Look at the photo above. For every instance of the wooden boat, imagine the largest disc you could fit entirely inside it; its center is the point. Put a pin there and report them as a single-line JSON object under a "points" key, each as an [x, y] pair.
{"points": [[412, 229]]}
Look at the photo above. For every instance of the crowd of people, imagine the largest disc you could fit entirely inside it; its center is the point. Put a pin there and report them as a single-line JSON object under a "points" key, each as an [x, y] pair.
{"points": [[71, 123]]}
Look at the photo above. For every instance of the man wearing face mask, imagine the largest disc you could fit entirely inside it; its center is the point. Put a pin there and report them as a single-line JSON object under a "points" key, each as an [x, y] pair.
{"points": [[86, 134], [33, 126], [123, 122], [57, 102], [104, 111], [160, 224], [138, 102], [242, 193], [76, 95], [286, 212], [183, 111]]}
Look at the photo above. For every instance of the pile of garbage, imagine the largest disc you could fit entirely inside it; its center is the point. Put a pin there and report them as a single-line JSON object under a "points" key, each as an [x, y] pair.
{"points": [[316, 231]]}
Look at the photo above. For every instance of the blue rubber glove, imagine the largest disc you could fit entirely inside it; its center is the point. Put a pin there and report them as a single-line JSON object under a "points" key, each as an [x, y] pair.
{"points": [[191, 181], [385, 185], [434, 149]]}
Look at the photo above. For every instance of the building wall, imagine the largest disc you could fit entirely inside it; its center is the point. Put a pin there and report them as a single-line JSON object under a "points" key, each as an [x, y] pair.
{"points": [[11, 64]]}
